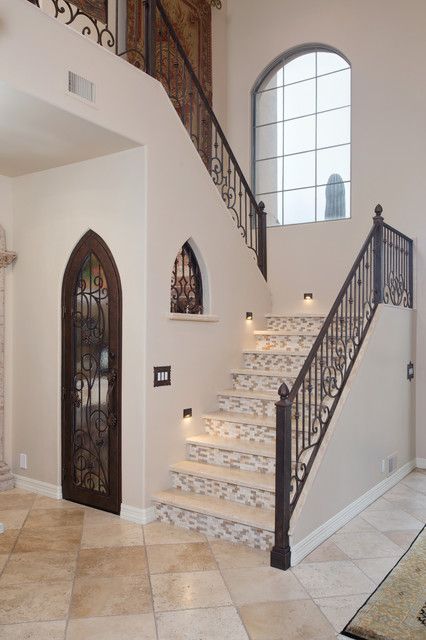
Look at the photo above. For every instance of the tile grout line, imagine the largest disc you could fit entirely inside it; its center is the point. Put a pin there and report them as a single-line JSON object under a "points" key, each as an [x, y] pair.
{"points": [[148, 571], [74, 579]]}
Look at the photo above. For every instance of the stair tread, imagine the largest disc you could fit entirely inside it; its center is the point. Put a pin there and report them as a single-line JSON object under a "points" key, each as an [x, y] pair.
{"points": [[278, 352], [234, 444], [242, 393], [261, 372], [218, 508], [252, 479], [283, 332], [244, 418]]}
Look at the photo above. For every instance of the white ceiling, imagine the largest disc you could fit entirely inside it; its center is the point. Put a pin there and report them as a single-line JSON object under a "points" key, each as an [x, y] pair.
{"points": [[35, 135]]}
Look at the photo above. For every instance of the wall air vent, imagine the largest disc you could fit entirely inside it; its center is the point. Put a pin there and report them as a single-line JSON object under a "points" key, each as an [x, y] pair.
{"points": [[81, 87]]}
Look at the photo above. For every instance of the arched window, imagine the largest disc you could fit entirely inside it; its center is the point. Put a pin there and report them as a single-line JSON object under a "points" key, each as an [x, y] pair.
{"points": [[186, 295], [302, 136]]}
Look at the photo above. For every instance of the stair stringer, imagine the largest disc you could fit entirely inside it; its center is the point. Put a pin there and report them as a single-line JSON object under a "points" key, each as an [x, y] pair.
{"points": [[378, 399]]}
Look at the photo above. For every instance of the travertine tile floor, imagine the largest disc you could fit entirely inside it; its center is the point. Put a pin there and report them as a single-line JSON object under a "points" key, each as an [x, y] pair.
{"points": [[79, 574]]}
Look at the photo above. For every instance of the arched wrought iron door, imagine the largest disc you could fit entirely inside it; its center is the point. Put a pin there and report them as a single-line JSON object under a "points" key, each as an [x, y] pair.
{"points": [[91, 376]]}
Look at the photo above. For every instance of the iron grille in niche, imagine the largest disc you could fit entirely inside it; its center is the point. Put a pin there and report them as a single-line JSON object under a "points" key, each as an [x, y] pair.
{"points": [[186, 285]]}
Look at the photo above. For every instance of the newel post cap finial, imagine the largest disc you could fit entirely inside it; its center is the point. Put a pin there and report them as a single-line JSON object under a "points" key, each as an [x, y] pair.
{"points": [[378, 211], [283, 391], [261, 207]]}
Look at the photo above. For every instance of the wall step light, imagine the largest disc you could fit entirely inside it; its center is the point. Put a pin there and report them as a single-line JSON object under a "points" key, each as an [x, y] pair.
{"points": [[308, 296], [187, 413]]}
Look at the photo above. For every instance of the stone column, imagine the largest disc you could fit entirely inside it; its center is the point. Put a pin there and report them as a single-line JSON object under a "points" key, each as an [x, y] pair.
{"points": [[6, 258]]}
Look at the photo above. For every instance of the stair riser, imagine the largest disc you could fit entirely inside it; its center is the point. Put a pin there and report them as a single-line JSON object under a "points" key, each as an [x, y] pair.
{"points": [[289, 365], [240, 431], [231, 459], [256, 406], [295, 324], [215, 527], [228, 491], [292, 344], [253, 382]]}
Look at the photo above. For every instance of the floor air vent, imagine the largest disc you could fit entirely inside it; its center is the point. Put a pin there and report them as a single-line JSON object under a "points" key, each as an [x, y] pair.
{"points": [[81, 87]]}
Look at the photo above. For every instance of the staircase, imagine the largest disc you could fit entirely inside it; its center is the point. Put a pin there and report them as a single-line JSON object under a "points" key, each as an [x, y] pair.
{"points": [[226, 486]]}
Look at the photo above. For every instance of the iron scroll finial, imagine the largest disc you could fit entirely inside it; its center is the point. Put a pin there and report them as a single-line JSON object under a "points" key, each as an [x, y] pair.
{"points": [[261, 206]]}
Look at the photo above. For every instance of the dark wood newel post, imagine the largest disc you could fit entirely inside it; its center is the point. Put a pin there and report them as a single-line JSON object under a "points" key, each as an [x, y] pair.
{"points": [[281, 553], [150, 35], [378, 254], [261, 240]]}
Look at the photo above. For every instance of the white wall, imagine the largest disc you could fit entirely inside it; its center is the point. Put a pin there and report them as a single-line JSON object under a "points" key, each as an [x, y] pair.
{"points": [[6, 214], [384, 41], [52, 211], [376, 408], [180, 202]]}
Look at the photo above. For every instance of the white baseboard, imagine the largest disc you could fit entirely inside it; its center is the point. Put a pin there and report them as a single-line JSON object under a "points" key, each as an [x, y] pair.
{"points": [[37, 486], [134, 514], [303, 548], [421, 463]]}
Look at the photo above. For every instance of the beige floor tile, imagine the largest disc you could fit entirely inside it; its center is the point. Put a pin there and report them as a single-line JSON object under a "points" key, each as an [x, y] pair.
{"points": [[3, 559], [117, 534], [95, 516], [341, 609], [8, 539], [13, 518], [201, 624], [261, 584], [94, 596], [336, 578], [34, 602], [417, 501], [43, 502], [325, 552], [294, 620], [173, 591], [34, 631], [163, 533], [54, 518], [136, 627], [16, 499], [172, 558], [420, 514], [399, 491], [365, 544], [48, 539], [377, 568], [47, 566], [415, 481], [355, 525], [112, 561], [238, 556], [381, 504], [403, 539], [393, 520]]}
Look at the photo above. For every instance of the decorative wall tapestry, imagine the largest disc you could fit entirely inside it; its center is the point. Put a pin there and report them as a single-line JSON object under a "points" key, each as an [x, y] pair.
{"points": [[191, 20], [97, 9]]}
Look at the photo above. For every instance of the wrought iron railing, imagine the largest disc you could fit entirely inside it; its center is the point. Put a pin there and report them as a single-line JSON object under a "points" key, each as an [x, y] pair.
{"points": [[382, 272], [162, 55]]}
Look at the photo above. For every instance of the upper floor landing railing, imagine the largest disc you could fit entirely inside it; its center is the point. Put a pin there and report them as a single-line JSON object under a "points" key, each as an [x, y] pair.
{"points": [[160, 53]]}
